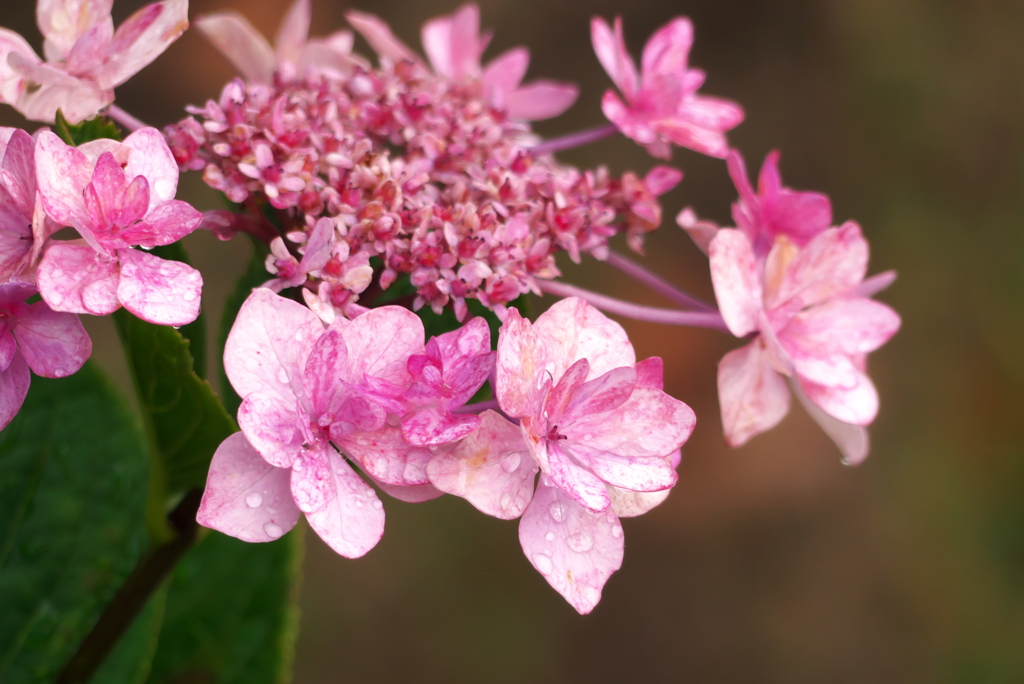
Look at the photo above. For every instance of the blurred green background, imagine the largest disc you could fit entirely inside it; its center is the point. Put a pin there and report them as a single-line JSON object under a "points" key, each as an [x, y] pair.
{"points": [[772, 562]]}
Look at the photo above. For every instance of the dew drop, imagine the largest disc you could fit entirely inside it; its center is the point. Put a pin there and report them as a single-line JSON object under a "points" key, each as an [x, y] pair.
{"points": [[616, 530], [378, 504], [56, 297], [557, 512], [300, 335], [580, 542], [273, 531], [282, 376], [359, 503], [190, 295], [542, 562], [550, 536], [510, 462], [253, 499], [506, 501]]}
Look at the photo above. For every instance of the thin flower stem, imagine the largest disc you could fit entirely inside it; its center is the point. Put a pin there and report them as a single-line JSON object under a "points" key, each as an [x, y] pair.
{"points": [[662, 287], [700, 319], [124, 118], [567, 142], [147, 576]]}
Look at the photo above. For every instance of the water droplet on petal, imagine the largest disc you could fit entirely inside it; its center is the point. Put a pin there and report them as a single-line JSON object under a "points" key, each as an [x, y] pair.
{"points": [[510, 462], [616, 530], [300, 335], [56, 298], [253, 499], [190, 295], [359, 503], [557, 511], [273, 531], [550, 536], [378, 504], [506, 501], [282, 376], [580, 542], [542, 562]]}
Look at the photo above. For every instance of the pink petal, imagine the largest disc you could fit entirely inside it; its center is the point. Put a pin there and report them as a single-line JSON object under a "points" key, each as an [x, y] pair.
{"points": [[351, 517], [875, 284], [151, 157], [157, 290], [700, 231], [245, 48], [54, 89], [852, 440], [8, 348], [540, 99], [385, 456], [666, 51], [753, 397], [831, 264], [379, 36], [851, 326], [651, 373], [72, 277], [737, 280], [89, 50], [291, 37], [319, 247], [411, 493], [574, 549], [167, 223], [14, 382], [572, 329], [54, 344], [857, 405], [269, 344], [245, 496], [491, 468], [662, 179], [62, 22], [600, 395], [504, 73], [272, 428], [62, 173], [636, 473], [649, 423], [11, 83], [627, 504], [19, 171], [141, 39], [519, 366], [611, 52], [434, 426], [380, 343], [581, 485]]}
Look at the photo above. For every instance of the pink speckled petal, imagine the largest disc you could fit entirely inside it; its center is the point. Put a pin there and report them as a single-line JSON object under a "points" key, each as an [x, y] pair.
{"points": [[73, 278], [857, 405], [491, 468], [151, 157], [54, 344], [379, 36], [245, 496], [158, 290], [667, 50], [628, 504], [575, 550], [411, 493], [433, 426], [167, 223], [380, 343], [737, 280], [62, 173], [831, 264], [520, 366], [504, 73], [649, 423], [572, 329], [852, 440], [141, 39], [349, 516], [385, 456], [18, 171], [62, 22], [752, 395], [611, 52], [14, 382], [272, 428], [11, 82], [579, 484], [269, 343]]}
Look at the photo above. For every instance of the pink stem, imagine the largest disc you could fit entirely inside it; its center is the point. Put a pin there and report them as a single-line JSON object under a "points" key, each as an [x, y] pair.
{"points": [[124, 118], [700, 319], [655, 282], [567, 142]]}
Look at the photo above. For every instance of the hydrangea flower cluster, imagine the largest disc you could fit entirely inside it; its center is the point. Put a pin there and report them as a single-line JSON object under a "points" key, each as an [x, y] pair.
{"points": [[423, 175]]}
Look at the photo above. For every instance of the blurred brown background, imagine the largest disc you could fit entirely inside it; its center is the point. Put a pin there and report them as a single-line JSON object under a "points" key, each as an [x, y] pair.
{"points": [[773, 562]]}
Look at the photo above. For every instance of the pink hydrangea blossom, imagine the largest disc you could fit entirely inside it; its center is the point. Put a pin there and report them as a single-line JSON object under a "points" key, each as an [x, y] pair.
{"points": [[661, 105], [117, 196], [293, 51], [85, 57], [33, 337], [597, 426], [813, 325]]}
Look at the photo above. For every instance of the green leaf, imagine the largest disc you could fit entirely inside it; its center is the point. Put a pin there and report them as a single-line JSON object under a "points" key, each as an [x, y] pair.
{"points": [[73, 476], [183, 419], [232, 613], [254, 276], [93, 129]]}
